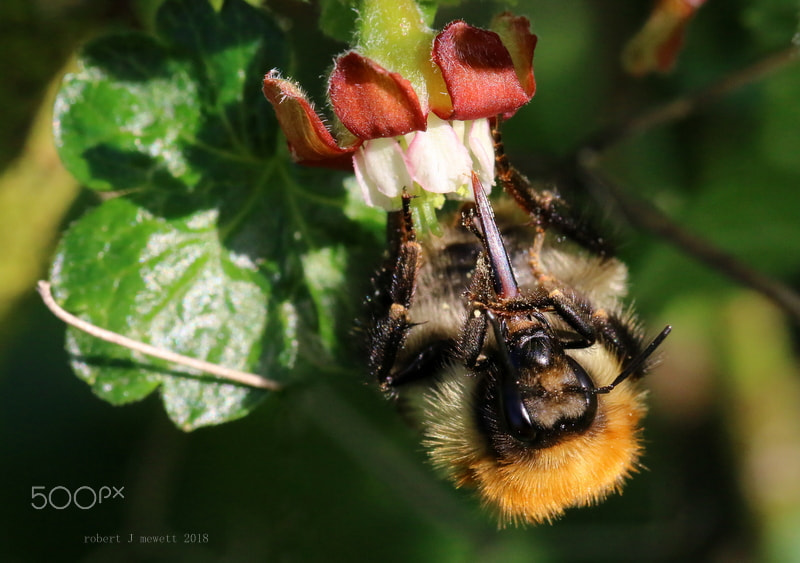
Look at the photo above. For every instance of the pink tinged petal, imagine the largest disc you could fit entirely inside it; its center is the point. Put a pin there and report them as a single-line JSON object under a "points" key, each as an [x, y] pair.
{"points": [[515, 33], [478, 71], [476, 135], [371, 101], [369, 192], [310, 142], [437, 159], [481, 147], [381, 171]]}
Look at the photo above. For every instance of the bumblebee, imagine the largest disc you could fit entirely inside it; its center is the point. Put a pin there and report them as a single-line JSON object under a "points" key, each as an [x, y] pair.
{"points": [[507, 341]]}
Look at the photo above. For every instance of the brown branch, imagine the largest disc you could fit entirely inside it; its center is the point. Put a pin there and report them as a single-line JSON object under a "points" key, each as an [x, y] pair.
{"points": [[221, 372], [684, 106], [648, 218]]}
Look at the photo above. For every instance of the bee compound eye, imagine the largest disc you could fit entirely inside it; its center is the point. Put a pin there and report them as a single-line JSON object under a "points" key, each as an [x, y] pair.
{"points": [[585, 386]]}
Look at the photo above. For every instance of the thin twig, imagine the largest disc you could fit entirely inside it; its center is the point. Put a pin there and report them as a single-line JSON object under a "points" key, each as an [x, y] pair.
{"points": [[686, 105], [236, 376], [649, 218]]}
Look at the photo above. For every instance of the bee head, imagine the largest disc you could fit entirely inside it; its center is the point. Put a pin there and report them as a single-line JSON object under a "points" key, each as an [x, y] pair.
{"points": [[541, 395]]}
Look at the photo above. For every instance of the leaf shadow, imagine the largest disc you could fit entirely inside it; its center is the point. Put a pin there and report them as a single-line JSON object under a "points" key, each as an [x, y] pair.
{"points": [[104, 362], [132, 56], [129, 170]]}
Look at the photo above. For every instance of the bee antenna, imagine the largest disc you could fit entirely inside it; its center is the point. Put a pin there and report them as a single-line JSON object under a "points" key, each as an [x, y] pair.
{"points": [[505, 284], [637, 362]]}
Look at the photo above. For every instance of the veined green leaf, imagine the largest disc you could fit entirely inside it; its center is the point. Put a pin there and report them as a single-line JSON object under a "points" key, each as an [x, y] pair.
{"points": [[212, 247]]}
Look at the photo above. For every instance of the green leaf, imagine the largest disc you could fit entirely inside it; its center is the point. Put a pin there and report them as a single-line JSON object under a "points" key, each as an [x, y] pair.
{"points": [[123, 120], [171, 110], [337, 19], [325, 270], [771, 23], [215, 247], [171, 284]]}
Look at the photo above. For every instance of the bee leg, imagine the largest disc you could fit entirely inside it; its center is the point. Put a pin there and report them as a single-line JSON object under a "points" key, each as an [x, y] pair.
{"points": [[578, 315], [621, 336], [473, 334], [533, 257], [540, 205], [480, 293], [546, 209], [394, 294], [429, 360]]}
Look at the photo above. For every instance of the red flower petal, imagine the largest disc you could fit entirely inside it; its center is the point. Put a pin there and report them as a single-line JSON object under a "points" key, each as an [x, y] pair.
{"points": [[657, 45], [682, 11], [371, 101], [309, 140], [478, 71], [515, 33]]}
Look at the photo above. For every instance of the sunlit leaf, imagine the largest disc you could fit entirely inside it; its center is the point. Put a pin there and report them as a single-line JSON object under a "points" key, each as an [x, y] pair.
{"points": [[210, 248]]}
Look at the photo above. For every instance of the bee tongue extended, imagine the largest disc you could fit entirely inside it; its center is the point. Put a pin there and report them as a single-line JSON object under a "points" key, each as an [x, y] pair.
{"points": [[505, 284]]}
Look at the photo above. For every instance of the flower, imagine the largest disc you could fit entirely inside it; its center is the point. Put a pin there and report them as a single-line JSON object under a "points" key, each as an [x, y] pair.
{"points": [[412, 111], [656, 46]]}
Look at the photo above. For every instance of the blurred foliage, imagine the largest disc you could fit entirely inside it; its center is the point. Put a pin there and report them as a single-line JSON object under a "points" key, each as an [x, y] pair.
{"points": [[327, 471]]}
